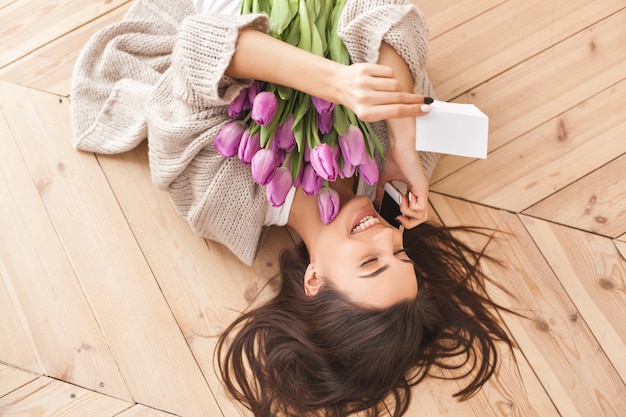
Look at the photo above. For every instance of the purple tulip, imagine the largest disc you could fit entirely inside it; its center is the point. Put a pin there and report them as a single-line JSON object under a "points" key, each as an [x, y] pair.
{"points": [[277, 189], [228, 139], [264, 108], [253, 90], [322, 106], [328, 204], [237, 105], [249, 146], [347, 170], [324, 162], [352, 145], [284, 137], [298, 180], [263, 166], [368, 170], [325, 123], [311, 182], [307, 153]]}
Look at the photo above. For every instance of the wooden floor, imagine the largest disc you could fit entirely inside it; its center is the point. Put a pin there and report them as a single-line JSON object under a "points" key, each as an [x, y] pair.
{"points": [[109, 305]]}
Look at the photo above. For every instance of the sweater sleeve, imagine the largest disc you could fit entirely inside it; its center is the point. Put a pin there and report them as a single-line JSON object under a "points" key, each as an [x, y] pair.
{"points": [[115, 73], [365, 24], [186, 110]]}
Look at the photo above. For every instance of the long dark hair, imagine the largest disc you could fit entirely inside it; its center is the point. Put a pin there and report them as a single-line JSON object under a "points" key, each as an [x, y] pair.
{"points": [[322, 355]]}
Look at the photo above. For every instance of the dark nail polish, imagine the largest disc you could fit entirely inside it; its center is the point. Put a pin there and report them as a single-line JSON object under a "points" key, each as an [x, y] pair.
{"points": [[428, 100]]}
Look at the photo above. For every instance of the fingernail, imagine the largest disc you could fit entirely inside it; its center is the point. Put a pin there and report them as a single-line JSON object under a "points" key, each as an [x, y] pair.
{"points": [[425, 108], [410, 197], [428, 100]]}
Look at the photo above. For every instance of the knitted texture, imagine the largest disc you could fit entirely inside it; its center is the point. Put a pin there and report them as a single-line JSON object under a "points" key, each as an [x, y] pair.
{"points": [[160, 74]]}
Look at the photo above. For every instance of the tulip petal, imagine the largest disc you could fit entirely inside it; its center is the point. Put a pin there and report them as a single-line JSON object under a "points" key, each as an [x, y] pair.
{"points": [[277, 189], [328, 204]]}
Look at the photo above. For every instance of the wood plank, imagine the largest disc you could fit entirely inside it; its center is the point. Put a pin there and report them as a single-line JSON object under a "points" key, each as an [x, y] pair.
{"points": [[546, 159], [443, 15], [26, 25], [48, 397], [12, 379], [16, 342], [466, 56], [205, 285], [4, 3], [45, 292], [547, 85], [560, 347], [621, 247], [134, 317], [512, 389], [143, 411], [596, 203], [593, 273], [50, 67]]}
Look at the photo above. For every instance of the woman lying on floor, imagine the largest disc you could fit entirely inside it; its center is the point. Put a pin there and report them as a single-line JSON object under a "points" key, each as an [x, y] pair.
{"points": [[365, 310]]}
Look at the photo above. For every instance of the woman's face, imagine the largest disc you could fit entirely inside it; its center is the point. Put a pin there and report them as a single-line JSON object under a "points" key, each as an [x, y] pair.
{"points": [[363, 257]]}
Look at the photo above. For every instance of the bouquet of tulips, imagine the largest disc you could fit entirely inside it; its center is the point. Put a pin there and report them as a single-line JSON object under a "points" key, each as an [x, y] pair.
{"points": [[290, 138]]}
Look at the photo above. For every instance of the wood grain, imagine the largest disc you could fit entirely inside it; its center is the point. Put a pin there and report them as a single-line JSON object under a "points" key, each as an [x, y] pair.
{"points": [[46, 397], [26, 25], [593, 274], [49, 68], [143, 411], [596, 203], [133, 315], [444, 15], [562, 349], [546, 159], [45, 292], [205, 285], [537, 24], [544, 86], [12, 379]]}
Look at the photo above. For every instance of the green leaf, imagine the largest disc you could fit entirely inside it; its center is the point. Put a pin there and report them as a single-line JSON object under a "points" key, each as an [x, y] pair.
{"points": [[292, 34], [305, 27], [298, 132], [302, 108], [331, 138], [282, 13], [246, 7], [296, 159], [284, 93], [340, 120]]}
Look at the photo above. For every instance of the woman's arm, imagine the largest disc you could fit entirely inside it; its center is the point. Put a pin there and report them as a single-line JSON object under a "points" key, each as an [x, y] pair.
{"points": [[372, 91], [402, 161]]}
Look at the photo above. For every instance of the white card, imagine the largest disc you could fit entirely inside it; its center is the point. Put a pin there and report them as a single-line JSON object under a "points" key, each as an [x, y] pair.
{"points": [[453, 128]]}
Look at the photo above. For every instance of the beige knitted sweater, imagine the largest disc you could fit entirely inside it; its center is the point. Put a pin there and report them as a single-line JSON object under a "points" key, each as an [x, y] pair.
{"points": [[160, 74]]}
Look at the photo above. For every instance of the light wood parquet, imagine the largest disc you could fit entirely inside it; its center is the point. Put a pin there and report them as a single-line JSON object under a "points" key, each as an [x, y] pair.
{"points": [[110, 305]]}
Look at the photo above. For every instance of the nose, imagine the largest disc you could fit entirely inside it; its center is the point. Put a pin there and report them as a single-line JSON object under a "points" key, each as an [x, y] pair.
{"points": [[383, 240]]}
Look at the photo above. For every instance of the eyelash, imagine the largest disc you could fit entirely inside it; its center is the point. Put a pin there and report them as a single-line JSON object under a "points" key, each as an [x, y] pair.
{"points": [[369, 261]]}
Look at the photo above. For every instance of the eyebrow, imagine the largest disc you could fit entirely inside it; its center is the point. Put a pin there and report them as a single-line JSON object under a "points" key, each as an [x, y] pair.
{"points": [[376, 273], [382, 269]]}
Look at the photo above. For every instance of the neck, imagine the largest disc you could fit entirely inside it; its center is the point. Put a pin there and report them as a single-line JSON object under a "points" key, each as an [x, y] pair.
{"points": [[304, 216]]}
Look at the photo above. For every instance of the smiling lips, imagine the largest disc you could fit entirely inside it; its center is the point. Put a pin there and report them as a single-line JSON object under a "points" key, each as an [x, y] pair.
{"points": [[365, 223]]}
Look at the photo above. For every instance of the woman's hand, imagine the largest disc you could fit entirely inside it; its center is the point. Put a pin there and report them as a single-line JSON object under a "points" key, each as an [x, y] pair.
{"points": [[403, 164], [373, 93]]}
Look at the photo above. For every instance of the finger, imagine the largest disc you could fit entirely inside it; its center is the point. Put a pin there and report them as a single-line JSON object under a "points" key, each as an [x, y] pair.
{"points": [[393, 111], [410, 222]]}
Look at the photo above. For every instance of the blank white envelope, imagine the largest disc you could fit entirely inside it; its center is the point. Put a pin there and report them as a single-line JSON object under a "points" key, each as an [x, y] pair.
{"points": [[453, 128]]}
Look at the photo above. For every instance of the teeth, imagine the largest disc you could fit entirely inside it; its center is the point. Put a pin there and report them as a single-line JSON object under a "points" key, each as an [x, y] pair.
{"points": [[365, 222]]}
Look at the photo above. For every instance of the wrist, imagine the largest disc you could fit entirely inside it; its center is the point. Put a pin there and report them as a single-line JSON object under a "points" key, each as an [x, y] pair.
{"points": [[401, 133]]}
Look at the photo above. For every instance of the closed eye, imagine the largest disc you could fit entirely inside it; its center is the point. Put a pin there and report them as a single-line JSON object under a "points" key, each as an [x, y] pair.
{"points": [[372, 260], [369, 261]]}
